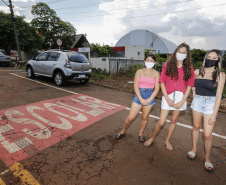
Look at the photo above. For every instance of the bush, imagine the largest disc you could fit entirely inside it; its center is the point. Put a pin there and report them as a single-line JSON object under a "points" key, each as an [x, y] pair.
{"points": [[131, 71], [99, 74], [224, 62]]}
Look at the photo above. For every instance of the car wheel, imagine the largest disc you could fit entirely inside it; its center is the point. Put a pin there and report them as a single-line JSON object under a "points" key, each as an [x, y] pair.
{"points": [[59, 79], [84, 81], [30, 72]]}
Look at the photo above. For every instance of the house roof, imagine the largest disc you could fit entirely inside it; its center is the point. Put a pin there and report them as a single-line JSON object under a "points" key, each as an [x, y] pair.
{"points": [[81, 41]]}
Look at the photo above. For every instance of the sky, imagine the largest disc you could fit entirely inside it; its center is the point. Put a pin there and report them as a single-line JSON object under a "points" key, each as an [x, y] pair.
{"points": [[199, 23]]}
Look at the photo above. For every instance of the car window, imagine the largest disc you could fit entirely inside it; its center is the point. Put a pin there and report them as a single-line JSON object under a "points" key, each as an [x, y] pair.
{"points": [[42, 57], [77, 58], [1, 53], [53, 56]]}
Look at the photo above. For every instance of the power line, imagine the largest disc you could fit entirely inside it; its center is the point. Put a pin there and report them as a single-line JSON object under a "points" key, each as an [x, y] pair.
{"points": [[141, 7], [156, 14], [52, 2], [87, 5], [5, 3], [135, 10]]}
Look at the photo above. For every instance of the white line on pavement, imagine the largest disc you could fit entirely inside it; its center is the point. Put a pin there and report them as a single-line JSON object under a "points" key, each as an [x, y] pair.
{"points": [[127, 108], [44, 84], [183, 125], [11, 70]]}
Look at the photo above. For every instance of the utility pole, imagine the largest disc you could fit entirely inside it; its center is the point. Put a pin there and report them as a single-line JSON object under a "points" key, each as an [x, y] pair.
{"points": [[15, 31]]}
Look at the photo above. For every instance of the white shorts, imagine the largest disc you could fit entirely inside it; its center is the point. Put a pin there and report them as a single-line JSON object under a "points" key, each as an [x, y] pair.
{"points": [[176, 96]]}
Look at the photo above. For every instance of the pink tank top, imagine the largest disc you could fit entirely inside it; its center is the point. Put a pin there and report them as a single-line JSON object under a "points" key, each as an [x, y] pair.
{"points": [[145, 82]]}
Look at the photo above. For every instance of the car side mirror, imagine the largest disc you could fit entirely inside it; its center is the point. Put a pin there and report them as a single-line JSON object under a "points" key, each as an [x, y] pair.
{"points": [[33, 58]]}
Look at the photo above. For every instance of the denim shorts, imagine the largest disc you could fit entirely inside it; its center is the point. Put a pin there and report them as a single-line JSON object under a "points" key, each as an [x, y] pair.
{"points": [[203, 104], [145, 94]]}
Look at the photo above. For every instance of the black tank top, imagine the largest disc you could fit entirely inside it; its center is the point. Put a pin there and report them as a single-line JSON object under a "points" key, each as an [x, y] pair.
{"points": [[204, 87]]}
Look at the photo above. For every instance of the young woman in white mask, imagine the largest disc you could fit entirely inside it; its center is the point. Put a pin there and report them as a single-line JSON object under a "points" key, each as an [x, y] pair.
{"points": [[176, 80], [207, 93], [146, 87]]}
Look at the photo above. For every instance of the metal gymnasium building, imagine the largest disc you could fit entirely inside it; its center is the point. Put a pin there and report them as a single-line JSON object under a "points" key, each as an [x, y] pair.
{"points": [[134, 44]]}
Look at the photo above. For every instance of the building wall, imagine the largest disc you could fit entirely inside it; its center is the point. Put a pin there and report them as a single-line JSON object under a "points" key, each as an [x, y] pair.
{"points": [[101, 62], [134, 52]]}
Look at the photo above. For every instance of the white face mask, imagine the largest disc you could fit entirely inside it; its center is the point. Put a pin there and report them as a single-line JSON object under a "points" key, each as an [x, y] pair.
{"points": [[149, 65], [181, 57]]}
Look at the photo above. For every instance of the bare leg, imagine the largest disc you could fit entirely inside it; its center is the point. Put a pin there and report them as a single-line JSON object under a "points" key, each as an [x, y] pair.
{"points": [[145, 114], [171, 130], [207, 136], [158, 127], [135, 108], [197, 121]]}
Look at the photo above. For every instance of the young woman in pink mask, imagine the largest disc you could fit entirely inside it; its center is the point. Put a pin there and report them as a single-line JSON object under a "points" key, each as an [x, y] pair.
{"points": [[146, 87]]}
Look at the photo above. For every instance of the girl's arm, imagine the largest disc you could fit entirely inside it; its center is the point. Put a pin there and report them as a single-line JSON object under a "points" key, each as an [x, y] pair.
{"points": [[193, 88], [181, 103], [156, 88], [136, 88], [169, 101], [220, 87]]}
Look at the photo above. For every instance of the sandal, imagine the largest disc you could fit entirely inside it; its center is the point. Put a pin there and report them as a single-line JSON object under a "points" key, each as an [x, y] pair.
{"points": [[119, 136], [141, 139], [190, 153], [207, 166]]}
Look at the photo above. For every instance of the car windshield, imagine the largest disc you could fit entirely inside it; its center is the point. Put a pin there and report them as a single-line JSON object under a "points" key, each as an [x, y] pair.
{"points": [[77, 58]]}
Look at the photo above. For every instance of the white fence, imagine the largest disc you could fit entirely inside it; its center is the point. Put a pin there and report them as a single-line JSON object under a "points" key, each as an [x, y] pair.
{"points": [[113, 65]]}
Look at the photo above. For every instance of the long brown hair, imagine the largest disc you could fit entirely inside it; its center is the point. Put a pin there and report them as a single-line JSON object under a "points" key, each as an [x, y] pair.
{"points": [[172, 64], [217, 67]]}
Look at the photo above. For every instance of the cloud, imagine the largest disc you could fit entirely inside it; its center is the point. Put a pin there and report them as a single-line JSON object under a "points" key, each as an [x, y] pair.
{"points": [[201, 23], [172, 20]]}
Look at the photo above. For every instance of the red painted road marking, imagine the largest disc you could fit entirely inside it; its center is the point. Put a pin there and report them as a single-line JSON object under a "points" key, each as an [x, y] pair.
{"points": [[28, 129]]}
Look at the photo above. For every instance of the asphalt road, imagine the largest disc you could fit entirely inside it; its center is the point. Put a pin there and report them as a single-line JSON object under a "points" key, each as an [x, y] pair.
{"points": [[87, 152]]}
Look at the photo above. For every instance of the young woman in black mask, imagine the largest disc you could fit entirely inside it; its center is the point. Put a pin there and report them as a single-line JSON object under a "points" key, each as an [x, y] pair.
{"points": [[207, 95]]}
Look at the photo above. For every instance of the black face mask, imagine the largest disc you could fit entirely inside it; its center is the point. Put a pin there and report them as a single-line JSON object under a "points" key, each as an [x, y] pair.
{"points": [[211, 63]]}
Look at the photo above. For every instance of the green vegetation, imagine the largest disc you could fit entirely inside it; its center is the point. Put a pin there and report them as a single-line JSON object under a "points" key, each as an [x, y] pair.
{"points": [[51, 27], [30, 40], [98, 74], [224, 62], [131, 70], [101, 51], [197, 55]]}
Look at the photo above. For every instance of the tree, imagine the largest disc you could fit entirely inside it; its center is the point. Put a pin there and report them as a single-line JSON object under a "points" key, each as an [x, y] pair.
{"points": [[197, 55], [51, 27], [28, 35], [224, 61], [101, 51]]}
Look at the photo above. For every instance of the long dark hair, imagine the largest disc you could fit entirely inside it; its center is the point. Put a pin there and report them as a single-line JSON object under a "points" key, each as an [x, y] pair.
{"points": [[172, 64], [217, 67]]}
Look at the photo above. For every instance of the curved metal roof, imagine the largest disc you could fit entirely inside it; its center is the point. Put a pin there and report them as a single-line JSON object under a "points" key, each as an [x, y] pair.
{"points": [[148, 40]]}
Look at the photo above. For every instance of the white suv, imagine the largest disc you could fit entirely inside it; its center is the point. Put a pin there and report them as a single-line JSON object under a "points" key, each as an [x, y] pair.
{"points": [[61, 65]]}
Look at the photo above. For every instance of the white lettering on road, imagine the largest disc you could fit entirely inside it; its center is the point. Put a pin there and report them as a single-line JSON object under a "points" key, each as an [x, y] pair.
{"points": [[80, 116], [64, 125], [44, 132]]}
